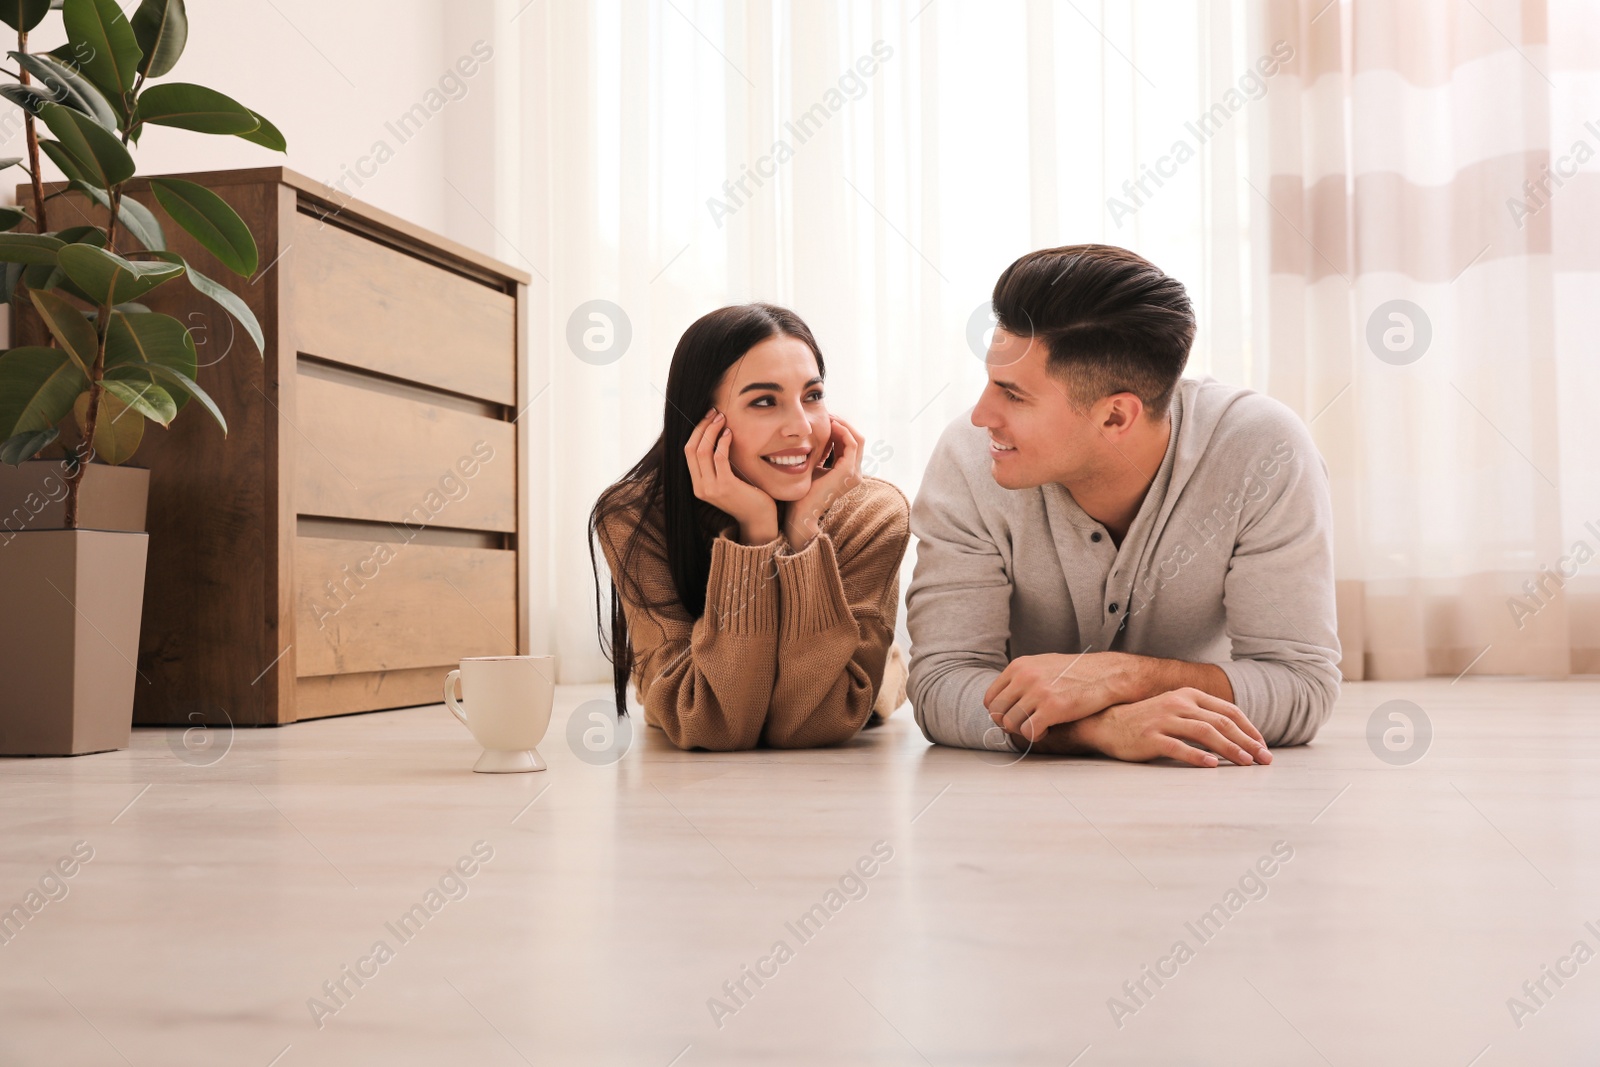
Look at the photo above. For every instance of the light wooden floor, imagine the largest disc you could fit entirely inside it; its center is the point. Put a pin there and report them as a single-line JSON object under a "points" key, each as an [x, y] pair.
{"points": [[1016, 902]]}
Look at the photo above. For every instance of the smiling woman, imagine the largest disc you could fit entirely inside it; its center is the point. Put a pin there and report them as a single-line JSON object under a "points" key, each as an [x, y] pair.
{"points": [[754, 569]]}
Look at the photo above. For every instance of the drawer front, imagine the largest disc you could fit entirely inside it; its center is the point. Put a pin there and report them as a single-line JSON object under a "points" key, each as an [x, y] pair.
{"points": [[364, 605], [364, 304], [341, 694], [372, 455]]}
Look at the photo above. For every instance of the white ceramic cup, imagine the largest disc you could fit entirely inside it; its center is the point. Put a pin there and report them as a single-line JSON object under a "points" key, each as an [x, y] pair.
{"points": [[507, 708]]}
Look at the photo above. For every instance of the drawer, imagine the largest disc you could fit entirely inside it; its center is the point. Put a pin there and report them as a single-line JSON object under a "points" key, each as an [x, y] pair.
{"points": [[369, 454], [368, 605], [361, 303], [321, 695]]}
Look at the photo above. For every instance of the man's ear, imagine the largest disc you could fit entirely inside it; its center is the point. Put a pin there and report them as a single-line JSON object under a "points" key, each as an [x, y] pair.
{"points": [[1120, 412]]}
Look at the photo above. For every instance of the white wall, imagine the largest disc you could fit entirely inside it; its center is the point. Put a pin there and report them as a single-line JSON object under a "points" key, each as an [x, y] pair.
{"points": [[329, 75]]}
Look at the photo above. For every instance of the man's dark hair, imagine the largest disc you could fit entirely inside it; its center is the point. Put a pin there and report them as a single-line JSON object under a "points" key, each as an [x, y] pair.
{"points": [[1110, 320]]}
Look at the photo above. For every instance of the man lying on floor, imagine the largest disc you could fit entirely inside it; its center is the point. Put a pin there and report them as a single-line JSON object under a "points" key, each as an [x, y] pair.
{"points": [[1113, 559]]}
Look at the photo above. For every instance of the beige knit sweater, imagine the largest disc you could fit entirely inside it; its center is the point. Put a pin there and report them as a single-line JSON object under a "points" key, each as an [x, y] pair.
{"points": [[790, 649]]}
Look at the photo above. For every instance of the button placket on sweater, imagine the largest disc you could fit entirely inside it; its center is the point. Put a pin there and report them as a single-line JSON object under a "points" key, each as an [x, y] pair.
{"points": [[1113, 597], [1117, 593]]}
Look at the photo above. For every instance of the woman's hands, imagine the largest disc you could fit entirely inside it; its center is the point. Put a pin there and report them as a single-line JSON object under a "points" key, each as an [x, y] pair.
{"points": [[756, 512], [801, 519], [716, 482]]}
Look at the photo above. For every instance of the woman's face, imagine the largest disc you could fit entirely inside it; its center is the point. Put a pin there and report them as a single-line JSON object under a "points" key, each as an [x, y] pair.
{"points": [[772, 398]]}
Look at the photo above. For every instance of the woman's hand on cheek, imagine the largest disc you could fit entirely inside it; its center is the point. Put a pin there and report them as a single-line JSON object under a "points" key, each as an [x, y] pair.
{"points": [[718, 484], [801, 520]]}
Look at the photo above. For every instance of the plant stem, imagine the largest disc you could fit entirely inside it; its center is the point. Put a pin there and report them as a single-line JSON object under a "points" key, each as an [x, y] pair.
{"points": [[111, 226], [102, 317], [33, 145], [116, 194], [92, 418], [102, 323]]}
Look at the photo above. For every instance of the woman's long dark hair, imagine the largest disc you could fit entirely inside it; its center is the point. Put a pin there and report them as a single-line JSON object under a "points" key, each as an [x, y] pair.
{"points": [[658, 489]]}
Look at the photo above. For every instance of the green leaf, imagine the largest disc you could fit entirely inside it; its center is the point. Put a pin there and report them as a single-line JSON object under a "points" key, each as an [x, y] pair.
{"points": [[98, 30], [69, 87], [145, 339], [99, 156], [177, 379], [41, 275], [266, 135], [110, 279], [24, 446], [8, 281], [28, 97], [37, 388], [180, 385], [116, 433], [162, 28], [194, 107], [63, 161], [142, 223], [134, 217], [51, 276], [10, 161], [23, 15], [29, 248], [231, 301], [151, 401], [209, 220], [76, 333], [87, 235], [69, 52], [150, 337]]}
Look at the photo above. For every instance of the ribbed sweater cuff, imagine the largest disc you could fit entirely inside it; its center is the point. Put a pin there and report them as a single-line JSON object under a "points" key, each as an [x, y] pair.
{"points": [[813, 593], [742, 590]]}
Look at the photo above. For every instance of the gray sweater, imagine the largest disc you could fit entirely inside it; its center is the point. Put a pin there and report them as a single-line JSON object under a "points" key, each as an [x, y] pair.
{"points": [[1228, 561]]}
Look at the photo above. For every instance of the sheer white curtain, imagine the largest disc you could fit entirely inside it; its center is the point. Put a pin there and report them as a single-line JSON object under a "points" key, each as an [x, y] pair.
{"points": [[873, 165], [1431, 221]]}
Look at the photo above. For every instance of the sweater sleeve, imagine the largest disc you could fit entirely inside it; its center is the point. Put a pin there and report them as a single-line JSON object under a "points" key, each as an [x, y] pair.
{"points": [[837, 607], [958, 609], [706, 682], [1278, 597]]}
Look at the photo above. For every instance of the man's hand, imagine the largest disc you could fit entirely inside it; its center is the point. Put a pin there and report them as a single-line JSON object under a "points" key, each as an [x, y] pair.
{"points": [[1035, 693], [1165, 725]]}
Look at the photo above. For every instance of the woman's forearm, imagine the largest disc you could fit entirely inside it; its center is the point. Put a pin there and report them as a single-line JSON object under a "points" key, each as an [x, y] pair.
{"points": [[831, 653], [708, 685]]}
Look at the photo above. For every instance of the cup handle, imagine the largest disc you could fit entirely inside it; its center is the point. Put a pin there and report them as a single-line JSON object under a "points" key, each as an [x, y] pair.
{"points": [[451, 682]]}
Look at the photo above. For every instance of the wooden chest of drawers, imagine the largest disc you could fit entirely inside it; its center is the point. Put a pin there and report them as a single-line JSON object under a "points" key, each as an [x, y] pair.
{"points": [[364, 524]]}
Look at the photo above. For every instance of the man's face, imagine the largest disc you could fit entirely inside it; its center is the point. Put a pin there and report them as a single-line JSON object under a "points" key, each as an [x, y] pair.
{"points": [[1036, 433]]}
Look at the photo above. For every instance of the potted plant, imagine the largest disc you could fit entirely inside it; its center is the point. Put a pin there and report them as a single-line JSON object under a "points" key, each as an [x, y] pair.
{"points": [[73, 408]]}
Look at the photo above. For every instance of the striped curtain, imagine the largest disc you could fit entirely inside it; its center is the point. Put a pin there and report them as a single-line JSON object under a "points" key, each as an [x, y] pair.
{"points": [[875, 165], [1426, 191]]}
